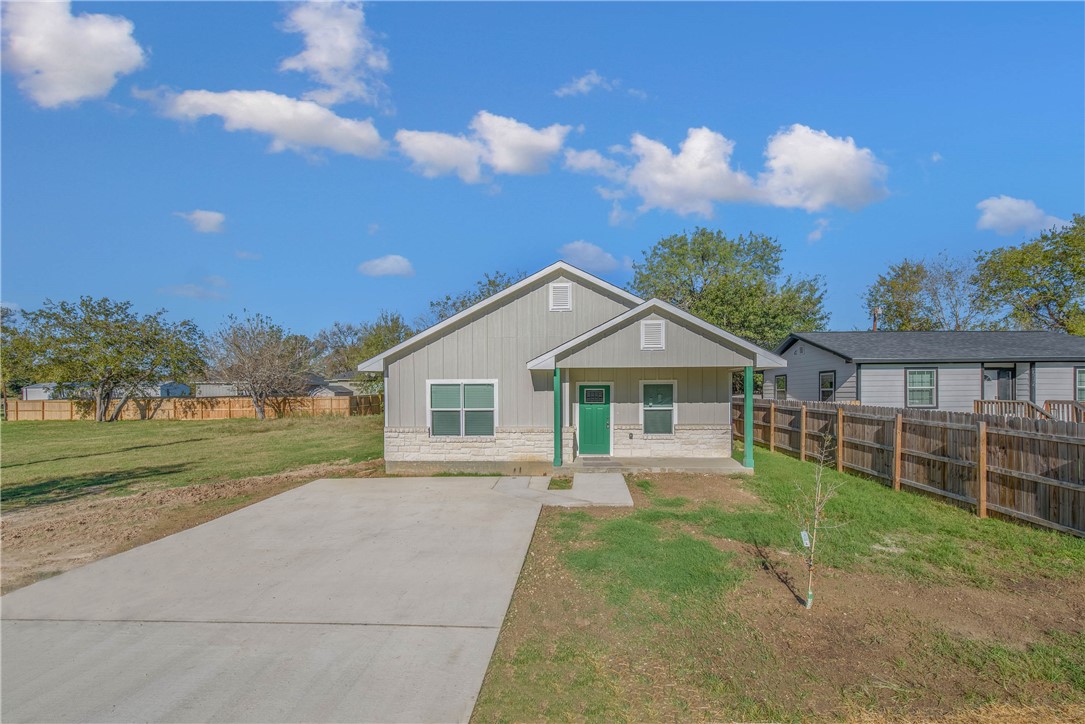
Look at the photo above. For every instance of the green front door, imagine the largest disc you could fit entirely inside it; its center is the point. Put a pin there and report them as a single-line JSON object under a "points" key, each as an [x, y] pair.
{"points": [[594, 422]]}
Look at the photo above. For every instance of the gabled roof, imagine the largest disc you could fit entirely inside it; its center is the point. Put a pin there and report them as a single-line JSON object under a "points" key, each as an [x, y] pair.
{"points": [[376, 364], [930, 347], [763, 359]]}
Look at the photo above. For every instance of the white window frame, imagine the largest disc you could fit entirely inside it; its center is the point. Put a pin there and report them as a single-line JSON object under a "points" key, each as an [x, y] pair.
{"points": [[776, 389], [662, 335], [832, 397], [1079, 388], [463, 408], [674, 406], [934, 388], [569, 287]]}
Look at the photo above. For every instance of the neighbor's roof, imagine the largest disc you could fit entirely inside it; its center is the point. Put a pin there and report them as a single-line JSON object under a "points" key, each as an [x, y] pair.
{"points": [[376, 364], [763, 359], [945, 346]]}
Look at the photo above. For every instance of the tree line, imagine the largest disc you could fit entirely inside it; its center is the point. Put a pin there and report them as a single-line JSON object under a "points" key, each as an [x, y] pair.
{"points": [[104, 350]]}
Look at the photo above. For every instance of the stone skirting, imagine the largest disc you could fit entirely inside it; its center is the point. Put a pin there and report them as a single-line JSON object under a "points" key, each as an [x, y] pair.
{"points": [[691, 441], [535, 445]]}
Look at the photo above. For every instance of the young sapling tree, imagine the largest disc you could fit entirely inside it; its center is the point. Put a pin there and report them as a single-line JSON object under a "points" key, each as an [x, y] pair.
{"points": [[813, 497]]}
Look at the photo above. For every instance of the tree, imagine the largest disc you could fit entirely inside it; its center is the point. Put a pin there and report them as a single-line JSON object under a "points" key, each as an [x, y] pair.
{"points": [[261, 358], [1041, 282], [15, 369], [930, 295], [734, 284], [342, 347], [103, 349], [449, 305]]}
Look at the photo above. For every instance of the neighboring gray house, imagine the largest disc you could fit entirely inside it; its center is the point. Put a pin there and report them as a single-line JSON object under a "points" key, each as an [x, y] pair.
{"points": [[47, 391], [934, 370], [560, 366]]}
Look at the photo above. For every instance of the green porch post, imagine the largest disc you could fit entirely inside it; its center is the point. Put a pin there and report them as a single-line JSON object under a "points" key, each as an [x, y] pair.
{"points": [[557, 417], [747, 417]]}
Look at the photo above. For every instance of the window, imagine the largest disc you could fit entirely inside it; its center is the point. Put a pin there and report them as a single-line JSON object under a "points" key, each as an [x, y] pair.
{"points": [[1079, 384], [827, 386], [561, 297], [657, 409], [652, 334], [921, 388], [781, 387], [462, 408]]}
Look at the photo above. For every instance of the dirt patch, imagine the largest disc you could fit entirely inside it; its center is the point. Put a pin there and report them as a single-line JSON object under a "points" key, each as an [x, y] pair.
{"points": [[725, 492], [45, 540]]}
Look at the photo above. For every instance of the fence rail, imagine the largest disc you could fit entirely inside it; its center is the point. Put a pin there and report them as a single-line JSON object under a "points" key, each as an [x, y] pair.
{"points": [[1067, 410], [1027, 469], [1014, 408], [196, 408]]}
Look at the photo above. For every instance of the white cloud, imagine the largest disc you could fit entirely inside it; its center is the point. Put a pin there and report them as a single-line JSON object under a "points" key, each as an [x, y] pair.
{"points": [[691, 180], [592, 258], [504, 144], [936, 157], [373, 228], [205, 222], [211, 288], [293, 124], [593, 162], [436, 154], [584, 84], [392, 265], [340, 53], [810, 170], [1005, 215], [638, 94], [248, 255], [804, 168], [61, 58], [820, 227]]}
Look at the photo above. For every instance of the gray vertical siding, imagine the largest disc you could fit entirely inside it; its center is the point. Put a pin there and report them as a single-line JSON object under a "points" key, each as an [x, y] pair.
{"points": [[804, 364], [703, 395], [498, 346], [684, 347], [958, 384], [1055, 380]]}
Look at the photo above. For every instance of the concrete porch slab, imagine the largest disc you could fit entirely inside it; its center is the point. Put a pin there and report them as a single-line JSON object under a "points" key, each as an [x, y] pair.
{"points": [[723, 466], [589, 489]]}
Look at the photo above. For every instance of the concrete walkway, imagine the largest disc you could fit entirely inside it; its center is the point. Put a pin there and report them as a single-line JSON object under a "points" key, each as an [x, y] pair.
{"points": [[339, 601]]}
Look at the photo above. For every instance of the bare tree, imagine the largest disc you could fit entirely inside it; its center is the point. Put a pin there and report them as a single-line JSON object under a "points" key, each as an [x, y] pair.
{"points": [[261, 358], [810, 508]]}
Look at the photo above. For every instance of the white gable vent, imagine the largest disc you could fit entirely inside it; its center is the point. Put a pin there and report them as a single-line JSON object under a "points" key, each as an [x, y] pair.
{"points": [[561, 297], [652, 334]]}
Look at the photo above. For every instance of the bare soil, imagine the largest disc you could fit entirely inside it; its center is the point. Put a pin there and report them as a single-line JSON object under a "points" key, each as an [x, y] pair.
{"points": [[867, 650], [44, 540]]}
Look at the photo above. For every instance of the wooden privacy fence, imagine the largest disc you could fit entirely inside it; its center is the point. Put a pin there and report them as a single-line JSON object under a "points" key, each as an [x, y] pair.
{"points": [[197, 408], [1032, 470]]}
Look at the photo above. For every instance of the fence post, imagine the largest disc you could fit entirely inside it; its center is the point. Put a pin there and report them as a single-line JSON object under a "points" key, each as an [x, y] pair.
{"points": [[802, 433], [898, 426], [772, 426], [981, 469], [840, 439]]}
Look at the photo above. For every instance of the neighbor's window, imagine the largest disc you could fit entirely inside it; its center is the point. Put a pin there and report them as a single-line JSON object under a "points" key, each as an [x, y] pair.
{"points": [[781, 387], [461, 409], [827, 386], [920, 388], [658, 410], [1079, 387]]}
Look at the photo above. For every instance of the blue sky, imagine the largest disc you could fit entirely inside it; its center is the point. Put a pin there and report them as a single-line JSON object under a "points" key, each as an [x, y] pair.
{"points": [[317, 163]]}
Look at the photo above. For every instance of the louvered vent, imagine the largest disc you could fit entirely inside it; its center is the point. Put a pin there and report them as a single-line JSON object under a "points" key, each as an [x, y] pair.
{"points": [[561, 297], [652, 334]]}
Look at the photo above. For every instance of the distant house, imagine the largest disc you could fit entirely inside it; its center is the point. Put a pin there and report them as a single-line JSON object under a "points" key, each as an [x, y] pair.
{"points": [[48, 391], [933, 370], [216, 389], [330, 390], [560, 366], [316, 386], [350, 380]]}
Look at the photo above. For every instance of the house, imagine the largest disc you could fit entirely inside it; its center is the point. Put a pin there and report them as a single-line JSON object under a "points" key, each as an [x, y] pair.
{"points": [[558, 367], [48, 391], [934, 370], [315, 386], [329, 390]]}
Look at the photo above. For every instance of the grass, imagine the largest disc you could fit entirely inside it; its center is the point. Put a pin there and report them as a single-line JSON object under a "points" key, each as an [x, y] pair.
{"points": [[49, 462], [560, 484], [646, 614]]}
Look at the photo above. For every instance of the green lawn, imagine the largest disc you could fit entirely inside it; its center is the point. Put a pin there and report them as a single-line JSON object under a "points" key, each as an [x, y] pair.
{"points": [[668, 611], [47, 462]]}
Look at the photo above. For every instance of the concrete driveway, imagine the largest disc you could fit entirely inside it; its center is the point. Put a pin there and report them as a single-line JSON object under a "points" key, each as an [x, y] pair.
{"points": [[341, 600]]}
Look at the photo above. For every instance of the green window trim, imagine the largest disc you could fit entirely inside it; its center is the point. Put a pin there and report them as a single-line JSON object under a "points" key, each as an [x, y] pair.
{"points": [[658, 411], [921, 387], [462, 408]]}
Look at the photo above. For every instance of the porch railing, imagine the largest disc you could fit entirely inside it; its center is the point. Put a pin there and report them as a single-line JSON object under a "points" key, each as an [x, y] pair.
{"points": [[1011, 408]]}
